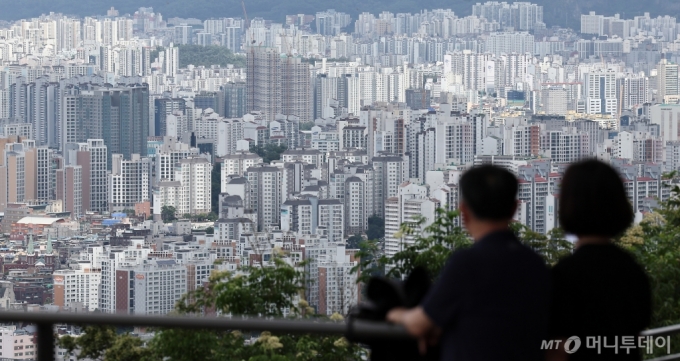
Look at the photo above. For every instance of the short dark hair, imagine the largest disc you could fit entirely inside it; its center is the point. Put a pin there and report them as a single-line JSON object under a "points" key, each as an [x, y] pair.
{"points": [[490, 192], [593, 200]]}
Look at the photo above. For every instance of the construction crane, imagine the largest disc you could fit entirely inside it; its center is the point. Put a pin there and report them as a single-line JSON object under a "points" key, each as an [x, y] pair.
{"points": [[247, 25]]}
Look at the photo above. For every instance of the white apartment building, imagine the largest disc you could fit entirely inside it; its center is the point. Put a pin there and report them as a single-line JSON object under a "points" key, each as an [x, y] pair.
{"points": [[591, 23], [265, 194], [17, 344], [151, 287], [411, 203], [308, 156], [338, 290], [113, 259], [668, 118], [566, 146], [390, 172], [77, 286], [600, 91], [236, 164], [129, 181], [168, 155], [195, 192], [229, 132], [93, 158], [554, 101], [510, 42], [331, 216]]}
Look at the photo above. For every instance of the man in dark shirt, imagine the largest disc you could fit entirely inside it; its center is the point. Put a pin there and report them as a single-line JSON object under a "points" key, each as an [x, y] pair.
{"points": [[491, 300]]}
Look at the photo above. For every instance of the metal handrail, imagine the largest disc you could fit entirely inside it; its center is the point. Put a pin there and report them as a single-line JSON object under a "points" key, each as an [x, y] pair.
{"points": [[360, 329], [45, 325], [663, 331]]}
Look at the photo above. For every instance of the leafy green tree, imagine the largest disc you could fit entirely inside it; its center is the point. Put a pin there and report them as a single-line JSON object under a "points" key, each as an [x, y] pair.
{"points": [[259, 291], [552, 247], [430, 249], [199, 55], [268, 152], [264, 291], [103, 343], [168, 214], [129, 212], [655, 243], [210, 230], [306, 125], [376, 227], [354, 241], [201, 217]]}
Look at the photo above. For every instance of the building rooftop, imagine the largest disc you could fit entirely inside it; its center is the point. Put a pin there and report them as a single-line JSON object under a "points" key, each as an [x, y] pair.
{"points": [[40, 220]]}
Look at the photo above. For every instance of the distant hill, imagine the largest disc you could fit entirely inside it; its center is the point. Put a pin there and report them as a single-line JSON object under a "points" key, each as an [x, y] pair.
{"points": [[564, 12]]}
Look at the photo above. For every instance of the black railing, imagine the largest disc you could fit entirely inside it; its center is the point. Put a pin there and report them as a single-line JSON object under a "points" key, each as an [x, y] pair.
{"points": [[359, 329]]}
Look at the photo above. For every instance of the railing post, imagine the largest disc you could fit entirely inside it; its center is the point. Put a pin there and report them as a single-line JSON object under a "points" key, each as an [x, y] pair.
{"points": [[45, 341]]}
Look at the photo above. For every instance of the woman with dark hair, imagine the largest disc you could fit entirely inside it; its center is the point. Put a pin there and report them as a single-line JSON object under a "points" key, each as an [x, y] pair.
{"points": [[600, 294]]}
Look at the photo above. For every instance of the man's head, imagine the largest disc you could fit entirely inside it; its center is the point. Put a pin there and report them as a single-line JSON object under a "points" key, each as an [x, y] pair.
{"points": [[488, 198]]}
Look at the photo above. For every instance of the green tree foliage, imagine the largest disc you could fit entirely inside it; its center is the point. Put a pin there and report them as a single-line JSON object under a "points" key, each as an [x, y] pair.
{"points": [[376, 227], [552, 247], [129, 212], [103, 343], [430, 250], [210, 230], [354, 241], [655, 242], [306, 125], [266, 291], [268, 152], [168, 214], [155, 52], [262, 292], [201, 217], [209, 55]]}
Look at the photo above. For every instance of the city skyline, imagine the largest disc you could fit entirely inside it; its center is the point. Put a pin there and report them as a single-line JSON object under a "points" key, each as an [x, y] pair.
{"points": [[144, 158]]}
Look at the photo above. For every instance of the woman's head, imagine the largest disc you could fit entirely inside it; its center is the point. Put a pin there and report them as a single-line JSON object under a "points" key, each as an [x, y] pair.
{"points": [[593, 201]]}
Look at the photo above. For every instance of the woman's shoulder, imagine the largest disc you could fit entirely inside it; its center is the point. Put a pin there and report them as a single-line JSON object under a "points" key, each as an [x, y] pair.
{"points": [[598, 258]]}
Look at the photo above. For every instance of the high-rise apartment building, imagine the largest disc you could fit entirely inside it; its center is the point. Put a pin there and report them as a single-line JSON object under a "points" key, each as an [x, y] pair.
{"points": [[296, 88], [667, 80], [164, 107], [150, 288], [234, 100], [92, 158], [600, 90], [263, 81], [168, 155], [69, 183], [129, 182], [77, 286], [554, 100], [183, 34], [118, 115], [190, 191], [265, 194], [278, 83]]}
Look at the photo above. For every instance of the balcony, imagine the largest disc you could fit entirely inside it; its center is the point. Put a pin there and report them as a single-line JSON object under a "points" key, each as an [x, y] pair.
{"points": [[353, 329]]}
